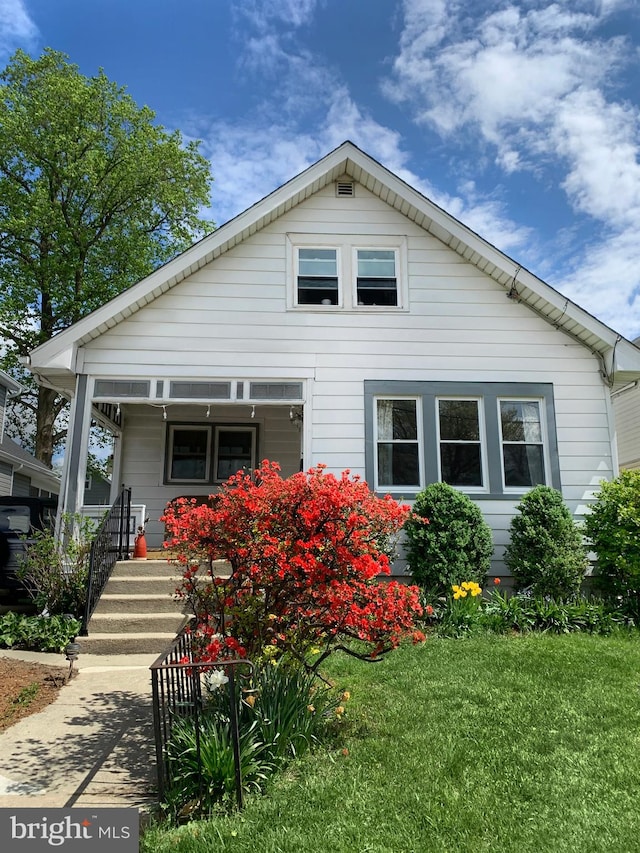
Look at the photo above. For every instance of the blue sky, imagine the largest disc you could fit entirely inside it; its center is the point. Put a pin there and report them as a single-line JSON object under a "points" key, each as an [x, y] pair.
{"points": [[522, 119]]}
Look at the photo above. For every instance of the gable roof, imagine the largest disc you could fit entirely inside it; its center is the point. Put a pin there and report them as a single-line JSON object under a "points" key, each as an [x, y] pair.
{"points": [[10, 384], [16, 456], [620, 359]]}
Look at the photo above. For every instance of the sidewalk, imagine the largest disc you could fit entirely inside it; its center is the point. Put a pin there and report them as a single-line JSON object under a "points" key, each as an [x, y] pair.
{"points": [[92, 747]]}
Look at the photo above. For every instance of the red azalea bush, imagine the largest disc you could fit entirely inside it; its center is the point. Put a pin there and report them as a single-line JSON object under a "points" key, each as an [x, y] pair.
{"points": [[305, 553]]}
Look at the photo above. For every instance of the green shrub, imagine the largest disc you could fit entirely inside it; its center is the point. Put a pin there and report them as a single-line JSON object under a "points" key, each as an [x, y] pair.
{"points": [[613, 526], [546, 553], [37, 633], [55, 577], [448, 540]]}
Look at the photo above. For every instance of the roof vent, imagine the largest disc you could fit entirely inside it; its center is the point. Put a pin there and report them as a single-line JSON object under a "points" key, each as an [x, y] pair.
{"points": [[345, 188]]}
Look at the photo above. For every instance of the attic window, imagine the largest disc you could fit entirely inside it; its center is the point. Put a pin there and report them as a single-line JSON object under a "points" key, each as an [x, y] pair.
{"points": [[121, 388], [345, 188]]}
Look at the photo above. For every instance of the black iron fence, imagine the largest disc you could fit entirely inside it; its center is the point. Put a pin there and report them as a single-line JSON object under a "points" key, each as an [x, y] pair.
{"points": [[110, 544], [176, 682]]}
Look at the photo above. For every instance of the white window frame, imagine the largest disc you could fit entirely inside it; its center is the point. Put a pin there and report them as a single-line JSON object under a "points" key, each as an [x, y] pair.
{"points": [[346, 247], [355, 276], [419, 442], [482, 441], [294, 250], [544, 441], [248, 428], [170, 453]]}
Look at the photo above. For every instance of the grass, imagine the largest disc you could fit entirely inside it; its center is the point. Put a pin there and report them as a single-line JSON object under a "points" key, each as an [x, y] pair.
{"points": [[487, 744]]}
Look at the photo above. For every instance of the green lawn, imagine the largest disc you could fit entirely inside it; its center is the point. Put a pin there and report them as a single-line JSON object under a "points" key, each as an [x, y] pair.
{"points": [[490, 744]]}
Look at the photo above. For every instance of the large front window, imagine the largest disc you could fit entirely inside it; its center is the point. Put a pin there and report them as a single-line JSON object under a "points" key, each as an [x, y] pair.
{"points": [[398, 445], [208, 454], [489, 439]]}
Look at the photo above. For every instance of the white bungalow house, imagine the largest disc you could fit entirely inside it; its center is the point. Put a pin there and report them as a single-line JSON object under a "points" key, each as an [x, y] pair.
{"points": [[344, 319], [21, 474]]}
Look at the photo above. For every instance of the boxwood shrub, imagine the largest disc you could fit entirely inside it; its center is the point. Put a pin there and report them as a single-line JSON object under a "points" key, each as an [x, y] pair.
{"points": [[448, 540]]}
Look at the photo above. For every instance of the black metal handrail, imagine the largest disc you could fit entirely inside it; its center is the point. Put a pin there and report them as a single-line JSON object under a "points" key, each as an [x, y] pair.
{"points": [[110, 544], [176, 684]]}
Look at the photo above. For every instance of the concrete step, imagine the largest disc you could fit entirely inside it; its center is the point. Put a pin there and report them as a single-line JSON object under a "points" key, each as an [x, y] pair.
{"points": [[163, 602], [145, 585], [159, 568], [123, 623], [141, 568], [126, 644]]}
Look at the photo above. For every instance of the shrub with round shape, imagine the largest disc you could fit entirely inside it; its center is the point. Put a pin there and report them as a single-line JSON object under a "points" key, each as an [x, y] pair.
{"points": [[546, 553], [448, 540]]}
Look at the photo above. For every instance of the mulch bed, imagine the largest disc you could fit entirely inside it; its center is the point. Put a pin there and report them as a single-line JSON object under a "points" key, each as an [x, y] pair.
{"points": [[26, 688]]}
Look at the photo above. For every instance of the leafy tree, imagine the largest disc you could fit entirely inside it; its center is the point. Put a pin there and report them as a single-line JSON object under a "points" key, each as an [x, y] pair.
{"points": [[93, 197], [305, 552]]}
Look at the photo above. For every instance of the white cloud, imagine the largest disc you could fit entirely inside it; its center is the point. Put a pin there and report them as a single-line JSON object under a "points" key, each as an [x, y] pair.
{"points": [[16, 28], [535, 84], [606, 282], [310, 113]]}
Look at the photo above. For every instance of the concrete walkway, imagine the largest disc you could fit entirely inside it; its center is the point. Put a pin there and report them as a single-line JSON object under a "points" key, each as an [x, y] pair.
{"points": [[92, 747]]}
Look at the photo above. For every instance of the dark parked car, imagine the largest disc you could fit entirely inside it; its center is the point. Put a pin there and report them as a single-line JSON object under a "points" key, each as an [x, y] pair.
{"points": [[19, 518]]}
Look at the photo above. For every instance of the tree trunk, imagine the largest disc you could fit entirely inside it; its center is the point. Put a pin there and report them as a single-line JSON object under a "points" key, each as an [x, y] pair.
{"points": [[44, 425]]}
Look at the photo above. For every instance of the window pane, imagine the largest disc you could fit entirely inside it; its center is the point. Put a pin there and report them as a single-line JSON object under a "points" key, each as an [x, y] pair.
{"points": [[461, 464], [398, 465], [523, 465], [397, 419], [235, 451], [317, 262], [189, 458], [376, 263], [520, 420], [459, 420]]}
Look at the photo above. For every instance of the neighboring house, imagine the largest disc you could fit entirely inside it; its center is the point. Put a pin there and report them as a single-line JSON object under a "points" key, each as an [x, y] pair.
{"points": [[626, 406], [345, 319], [21, 474], [97, 489]]}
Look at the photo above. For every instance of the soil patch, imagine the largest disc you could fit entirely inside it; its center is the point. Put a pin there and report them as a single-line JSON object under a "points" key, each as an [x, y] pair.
{"points": [[27, 688]]}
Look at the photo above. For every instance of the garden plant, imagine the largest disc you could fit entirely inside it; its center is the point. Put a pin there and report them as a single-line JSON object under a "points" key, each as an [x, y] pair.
{"points": [[546, 553], [305, 554], [448, 540], [54, 576], [613, 526]]}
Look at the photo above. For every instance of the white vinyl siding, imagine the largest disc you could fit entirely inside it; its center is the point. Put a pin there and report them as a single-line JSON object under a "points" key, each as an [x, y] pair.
{"points": [[235, 318]]}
